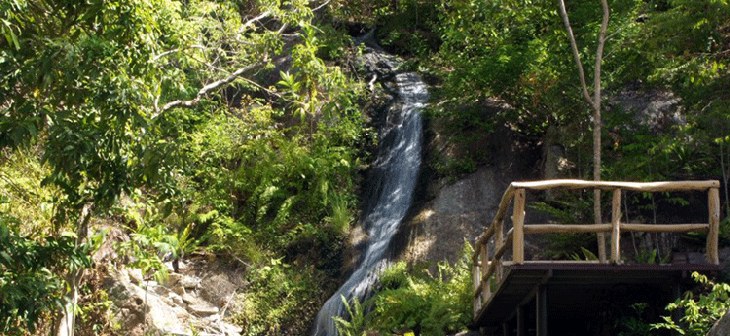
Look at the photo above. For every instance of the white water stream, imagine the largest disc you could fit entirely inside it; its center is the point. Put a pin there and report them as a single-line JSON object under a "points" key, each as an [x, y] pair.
{"points": [[394, 180]]}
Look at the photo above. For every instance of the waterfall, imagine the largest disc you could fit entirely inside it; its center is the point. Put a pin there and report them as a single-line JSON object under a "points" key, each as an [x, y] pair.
{"points": [[393, 183]]}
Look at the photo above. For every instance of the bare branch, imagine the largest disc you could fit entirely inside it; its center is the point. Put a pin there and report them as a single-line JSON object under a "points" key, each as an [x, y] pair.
{"points": [[254, 20], [321, 6], [156, 58], [206, 89], [283, 27]]}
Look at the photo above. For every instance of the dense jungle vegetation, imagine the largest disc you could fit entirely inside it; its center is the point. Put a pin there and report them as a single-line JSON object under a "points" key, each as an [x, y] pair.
{"points": [[238, 128]]}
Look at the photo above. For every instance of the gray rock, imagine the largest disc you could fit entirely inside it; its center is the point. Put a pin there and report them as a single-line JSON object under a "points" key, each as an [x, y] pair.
{"points": [[189, 282], [174, 297], [189, 298], [659, 110], [138, 307], [215, 318], [721, 327], [230, 329], [458, 212], [203, 310], [135, 275], [173, 279]]}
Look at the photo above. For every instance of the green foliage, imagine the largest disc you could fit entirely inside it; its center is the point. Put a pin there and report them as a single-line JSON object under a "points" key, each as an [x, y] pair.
{"points": [[31, 285], [21, 194], [587, 255], [434, 303], [180, 111], [700, 310], [634, 324], [282, 300], [356, 325]]}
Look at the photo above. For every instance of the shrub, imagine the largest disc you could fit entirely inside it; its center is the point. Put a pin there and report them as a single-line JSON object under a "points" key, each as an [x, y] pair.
{"points": [[435, 304], [701, 312], [31, 285]]}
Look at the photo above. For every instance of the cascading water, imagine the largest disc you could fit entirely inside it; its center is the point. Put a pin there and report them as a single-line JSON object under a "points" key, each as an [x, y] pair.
{"points": [[394, 180]]}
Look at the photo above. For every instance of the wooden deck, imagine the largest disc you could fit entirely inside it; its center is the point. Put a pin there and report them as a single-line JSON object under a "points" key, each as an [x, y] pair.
{"points": [[504, 287]]}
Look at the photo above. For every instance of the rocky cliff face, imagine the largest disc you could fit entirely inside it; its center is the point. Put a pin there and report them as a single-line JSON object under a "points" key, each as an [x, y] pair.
{"points": [[448, 214]]}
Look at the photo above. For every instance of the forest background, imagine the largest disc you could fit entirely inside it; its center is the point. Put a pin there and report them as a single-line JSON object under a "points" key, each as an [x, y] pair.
{"points": [[242, 129]]}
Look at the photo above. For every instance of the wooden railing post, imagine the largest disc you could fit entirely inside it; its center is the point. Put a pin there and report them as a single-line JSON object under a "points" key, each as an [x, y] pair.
{"points": [[485, 266], [601, 237], [498, 243], [616, 226], [477, 279], [518, 222], [713, 200]]}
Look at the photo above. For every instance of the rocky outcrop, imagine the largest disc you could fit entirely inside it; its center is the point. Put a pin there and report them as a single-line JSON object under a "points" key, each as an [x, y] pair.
{"points": [[452, 213], [458, 213], [658, 110], [175, 307]]}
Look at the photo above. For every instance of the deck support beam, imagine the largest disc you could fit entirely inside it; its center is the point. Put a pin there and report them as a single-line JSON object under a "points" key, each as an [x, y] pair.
{"points": [[541, 310], [521, 330]]}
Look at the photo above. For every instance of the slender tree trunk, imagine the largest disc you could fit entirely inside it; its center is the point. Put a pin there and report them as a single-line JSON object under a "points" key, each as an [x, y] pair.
{"points": [[725, 176], [65, 324], [595, 104]]}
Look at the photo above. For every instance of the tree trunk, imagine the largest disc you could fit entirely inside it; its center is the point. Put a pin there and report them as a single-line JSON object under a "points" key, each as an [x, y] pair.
{"points": [[64, 326], [595, 104]]}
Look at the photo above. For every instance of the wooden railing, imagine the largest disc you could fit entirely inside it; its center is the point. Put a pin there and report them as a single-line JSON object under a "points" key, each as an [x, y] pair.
{"points": [[489, 265]]}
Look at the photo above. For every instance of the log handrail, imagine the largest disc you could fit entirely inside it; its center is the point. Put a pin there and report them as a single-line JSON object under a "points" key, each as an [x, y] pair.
{"points": [[486, 264]]}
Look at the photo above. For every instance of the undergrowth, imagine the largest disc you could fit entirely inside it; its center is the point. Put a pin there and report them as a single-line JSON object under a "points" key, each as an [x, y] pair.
{"points": [[428, 300]]}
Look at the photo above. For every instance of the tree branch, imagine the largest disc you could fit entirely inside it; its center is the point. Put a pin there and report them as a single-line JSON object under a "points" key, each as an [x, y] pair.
{"points": [[156, 58], [206, 89], [321, 6], [599, 57], [256, 19], [576, 54]]}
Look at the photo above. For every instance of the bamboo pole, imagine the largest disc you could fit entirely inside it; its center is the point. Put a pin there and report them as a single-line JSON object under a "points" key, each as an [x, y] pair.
{"points": [[616, 226], [713, 201], [518, 221]]}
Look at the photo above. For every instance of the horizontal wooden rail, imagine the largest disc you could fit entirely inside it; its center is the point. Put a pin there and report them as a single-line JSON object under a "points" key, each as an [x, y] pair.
{"points": [[606, 228], [486, 264], [667, 228], [567, 228], [611, 185]]}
